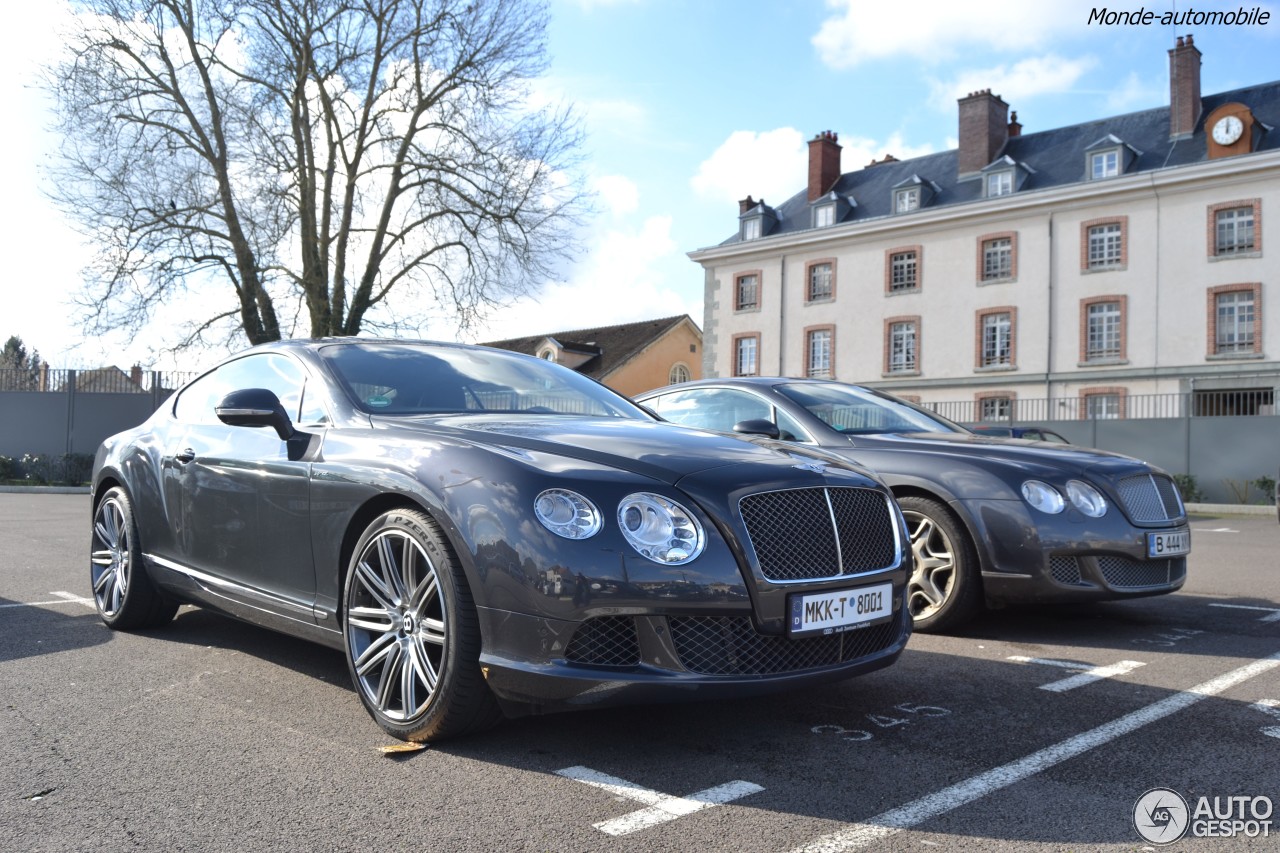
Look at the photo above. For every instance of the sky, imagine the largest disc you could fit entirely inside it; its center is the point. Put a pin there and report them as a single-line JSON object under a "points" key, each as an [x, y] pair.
{"points": [[688, 106]]}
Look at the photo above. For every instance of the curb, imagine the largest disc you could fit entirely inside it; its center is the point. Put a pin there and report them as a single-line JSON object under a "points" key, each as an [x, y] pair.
{"points": [[1232, 509]]}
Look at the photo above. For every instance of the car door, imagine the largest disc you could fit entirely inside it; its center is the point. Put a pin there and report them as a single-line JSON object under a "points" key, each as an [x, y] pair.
{"points": [[244, 503]]}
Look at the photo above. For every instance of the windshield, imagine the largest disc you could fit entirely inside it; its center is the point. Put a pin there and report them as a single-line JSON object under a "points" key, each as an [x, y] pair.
{"points": [[422, 379], [857, 411]]}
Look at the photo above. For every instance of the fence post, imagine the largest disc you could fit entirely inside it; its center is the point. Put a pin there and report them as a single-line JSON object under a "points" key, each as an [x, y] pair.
{"points": [[71, 407], [1187, 401]]}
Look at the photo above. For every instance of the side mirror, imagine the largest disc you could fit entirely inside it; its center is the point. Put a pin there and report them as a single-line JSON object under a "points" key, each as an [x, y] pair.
{"points": [[758, 426], [255, 407]]}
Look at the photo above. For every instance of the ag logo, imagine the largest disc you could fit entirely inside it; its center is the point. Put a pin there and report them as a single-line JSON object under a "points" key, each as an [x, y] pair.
{"points": [[1161, 816]]}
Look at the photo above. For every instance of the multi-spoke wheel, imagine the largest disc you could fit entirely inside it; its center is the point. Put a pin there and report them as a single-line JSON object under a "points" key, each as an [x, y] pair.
{"points": [[412, 636], [944, 589], [122, 590]]}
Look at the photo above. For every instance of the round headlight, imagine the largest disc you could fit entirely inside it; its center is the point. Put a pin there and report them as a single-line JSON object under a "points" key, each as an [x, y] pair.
{"points": [[567, 514], [660, 529], [1086, 498], [1043, 497]]}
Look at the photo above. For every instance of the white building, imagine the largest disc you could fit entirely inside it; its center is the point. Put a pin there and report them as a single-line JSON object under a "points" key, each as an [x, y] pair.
{"points": [[1087, 264]]}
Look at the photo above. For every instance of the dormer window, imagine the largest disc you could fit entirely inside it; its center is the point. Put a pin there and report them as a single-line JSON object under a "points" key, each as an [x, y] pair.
{"points": [[1109, 157], [547, 354], [906, 200], [824, 215], [999, 183], [1104, 164], [751, 228], [912, 194]]}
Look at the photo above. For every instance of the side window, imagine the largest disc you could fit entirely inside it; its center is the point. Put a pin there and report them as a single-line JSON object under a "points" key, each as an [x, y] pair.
{"points": [[313, 410], [275, 372], [788, 428], [714, 408]]}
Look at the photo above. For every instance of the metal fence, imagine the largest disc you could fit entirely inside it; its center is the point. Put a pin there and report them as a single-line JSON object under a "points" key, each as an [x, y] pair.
{"points": [[101, 380], [1195, 404]]}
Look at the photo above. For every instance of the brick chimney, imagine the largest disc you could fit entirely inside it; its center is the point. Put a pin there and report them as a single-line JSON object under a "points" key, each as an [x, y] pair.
{"points": [[1184, 87], [824, 164], [135, 375], [746, 204], [1015, 127], [984, 129]]}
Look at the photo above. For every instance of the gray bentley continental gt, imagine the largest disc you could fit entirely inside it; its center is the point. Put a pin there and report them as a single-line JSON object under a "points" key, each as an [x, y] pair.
{"points": [[482, 533], [991, 520]]}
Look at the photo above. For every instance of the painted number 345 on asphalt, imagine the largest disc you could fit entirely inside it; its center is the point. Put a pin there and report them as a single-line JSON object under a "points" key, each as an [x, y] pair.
{"points": [[884, 721]]}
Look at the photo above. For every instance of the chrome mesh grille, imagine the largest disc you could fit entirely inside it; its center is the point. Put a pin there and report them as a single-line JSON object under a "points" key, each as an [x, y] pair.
{"points": [[1065, 570], [1127, 573], [1150, 497], [794, 538], [605, 641], [730, 645]]}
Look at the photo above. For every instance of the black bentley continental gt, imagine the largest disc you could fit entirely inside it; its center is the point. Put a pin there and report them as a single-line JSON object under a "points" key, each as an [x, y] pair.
{"points": [[991, 520], [481, 533]]}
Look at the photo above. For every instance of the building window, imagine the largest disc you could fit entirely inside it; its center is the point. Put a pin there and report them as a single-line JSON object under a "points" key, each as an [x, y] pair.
{"points": [[999, 183], [996, 338], [997, 259], [818, 343], [751, 229], [902, 345], [905, 201], [547, 354], [1103, 405], [679, 373], [824, 215], [746, 292], [746, 355], [1103, 335], [1103, 244], [821, 281], [1104, 164], [995, 407], [1235, 320], [902, 271], [1234, 231]]}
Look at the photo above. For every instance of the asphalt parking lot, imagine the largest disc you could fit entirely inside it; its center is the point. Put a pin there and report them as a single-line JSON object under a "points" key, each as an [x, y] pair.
{"points": [[1034, 729]]}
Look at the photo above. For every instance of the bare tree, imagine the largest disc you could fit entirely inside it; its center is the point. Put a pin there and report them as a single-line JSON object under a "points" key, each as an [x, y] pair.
{"points": [[318, 156]]}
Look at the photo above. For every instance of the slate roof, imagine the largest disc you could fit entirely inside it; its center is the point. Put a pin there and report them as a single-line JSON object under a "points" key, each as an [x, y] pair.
{"points": [[1056, 158], [609, 346]]}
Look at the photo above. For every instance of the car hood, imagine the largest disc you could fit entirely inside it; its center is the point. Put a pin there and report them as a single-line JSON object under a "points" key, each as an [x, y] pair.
{"points": [[661, 451], [1020, 452]]}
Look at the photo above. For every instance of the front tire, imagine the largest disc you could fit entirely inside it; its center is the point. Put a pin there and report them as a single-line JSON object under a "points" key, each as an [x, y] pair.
{"points": [[124, 594], [945, 588], [412, 634]]}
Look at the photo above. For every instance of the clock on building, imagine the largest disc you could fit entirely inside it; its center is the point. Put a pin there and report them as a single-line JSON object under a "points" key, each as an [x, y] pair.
{"points": [[1227, 130]]}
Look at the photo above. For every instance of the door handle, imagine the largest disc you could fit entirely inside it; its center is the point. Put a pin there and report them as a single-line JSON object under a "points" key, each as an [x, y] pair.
{"points": [[185, 456]]}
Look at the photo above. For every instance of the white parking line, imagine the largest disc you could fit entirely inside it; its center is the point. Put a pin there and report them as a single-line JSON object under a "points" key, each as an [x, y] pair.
{"points": [[1272, 707], [1088, 673], [661, 807], [63, 598], [1274, 617], [915, 813]]}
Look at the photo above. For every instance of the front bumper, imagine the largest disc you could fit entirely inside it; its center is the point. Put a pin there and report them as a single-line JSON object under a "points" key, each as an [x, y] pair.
{"points": [[1030, 557], [538, 665]]}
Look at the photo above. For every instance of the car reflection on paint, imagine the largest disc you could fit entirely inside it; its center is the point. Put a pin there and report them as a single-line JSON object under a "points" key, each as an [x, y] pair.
{"points": [[483, 533], [992, 520]]}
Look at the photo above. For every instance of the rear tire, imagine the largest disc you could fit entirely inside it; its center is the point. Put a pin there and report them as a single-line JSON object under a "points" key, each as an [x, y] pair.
{"points": [[411, 632], [945, 588], [123, 592]]}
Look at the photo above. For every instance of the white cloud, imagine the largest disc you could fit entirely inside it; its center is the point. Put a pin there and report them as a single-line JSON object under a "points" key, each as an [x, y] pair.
{"points": [[620, 193], [772, 165], [858, 31], [1020, 81], [1135, 93], [619, 282]]}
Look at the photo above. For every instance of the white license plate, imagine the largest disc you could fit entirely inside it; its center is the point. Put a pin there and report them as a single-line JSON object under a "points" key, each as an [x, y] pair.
{"points": [[1173, 544], [843, 610]]}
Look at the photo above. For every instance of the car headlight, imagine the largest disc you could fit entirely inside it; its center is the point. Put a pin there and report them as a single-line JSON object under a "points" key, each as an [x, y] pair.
{"points": [[1086, 498], [660, 529], [1043, 497], [567, 514]]}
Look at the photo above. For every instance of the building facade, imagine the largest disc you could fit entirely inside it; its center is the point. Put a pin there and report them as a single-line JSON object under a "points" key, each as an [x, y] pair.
{"points": [[628, 357], [1087, 265]]}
